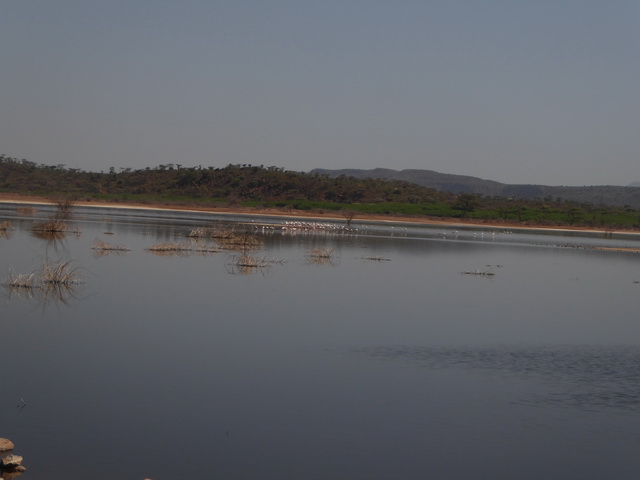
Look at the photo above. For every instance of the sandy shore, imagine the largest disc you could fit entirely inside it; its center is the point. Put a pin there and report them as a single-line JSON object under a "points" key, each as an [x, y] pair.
{"points": [[269, 212]]}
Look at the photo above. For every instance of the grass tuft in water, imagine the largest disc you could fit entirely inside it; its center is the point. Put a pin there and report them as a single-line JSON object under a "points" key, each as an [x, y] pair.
{"points": [[169, 247], [102, 246], [181, 248], [320, 253], [240, 241], [20, 280], [59, 273], [53, 225], [212, 232]]}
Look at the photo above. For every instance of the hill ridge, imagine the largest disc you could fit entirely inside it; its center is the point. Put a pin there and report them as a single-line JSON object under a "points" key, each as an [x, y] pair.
{"points": [[610, 195]]}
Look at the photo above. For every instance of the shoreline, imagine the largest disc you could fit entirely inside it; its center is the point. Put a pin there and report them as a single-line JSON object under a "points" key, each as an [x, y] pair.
{"points": [[13, 198]]}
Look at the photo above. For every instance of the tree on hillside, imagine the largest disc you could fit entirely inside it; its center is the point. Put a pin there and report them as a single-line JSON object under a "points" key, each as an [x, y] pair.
{"points": [[466, 203], [573, 215]]}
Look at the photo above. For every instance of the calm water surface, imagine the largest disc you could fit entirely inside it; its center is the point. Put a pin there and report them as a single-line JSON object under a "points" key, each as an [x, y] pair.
{"points": [[384, 362]]}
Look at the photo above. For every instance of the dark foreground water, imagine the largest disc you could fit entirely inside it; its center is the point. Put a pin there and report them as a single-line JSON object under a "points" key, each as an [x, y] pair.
{"points": [[383, 361]]}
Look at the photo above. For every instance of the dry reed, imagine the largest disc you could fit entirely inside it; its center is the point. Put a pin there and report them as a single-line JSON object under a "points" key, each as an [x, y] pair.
{"points": [[169, 247], [321, 256], [321, 253], [211, 232], [249, 261], [59, 273], [479, 273], [240, 241], [175, 248], [245, 264], [64, 207], [20, 280], [103, 246], [55, 281], [53, 225]]}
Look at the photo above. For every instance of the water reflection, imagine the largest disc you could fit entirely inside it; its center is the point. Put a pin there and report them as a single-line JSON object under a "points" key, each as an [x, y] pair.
{"points": [[52, 238], [6, 229], [194, 346], [55, 242], [60, 293]]}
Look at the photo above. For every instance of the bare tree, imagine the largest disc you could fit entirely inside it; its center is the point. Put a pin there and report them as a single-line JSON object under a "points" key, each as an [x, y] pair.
{"points": [[64, 206], [349, 215]]}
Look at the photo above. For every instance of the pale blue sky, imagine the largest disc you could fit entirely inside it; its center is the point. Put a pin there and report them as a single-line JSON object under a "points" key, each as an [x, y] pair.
{"points": [[515, 91]]}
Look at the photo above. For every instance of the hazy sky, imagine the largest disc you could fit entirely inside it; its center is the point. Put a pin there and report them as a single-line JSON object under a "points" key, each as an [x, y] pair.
{"points": [[544, 91]]}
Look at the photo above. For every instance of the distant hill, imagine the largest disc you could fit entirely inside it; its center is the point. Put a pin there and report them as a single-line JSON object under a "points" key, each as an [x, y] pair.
{"points": [[598, 195], [634, 184]]}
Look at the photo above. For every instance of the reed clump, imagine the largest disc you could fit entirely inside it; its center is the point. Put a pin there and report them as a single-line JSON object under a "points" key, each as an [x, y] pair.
{"points": [[56, 225], [169, 248], [245, 264], [321, 256], [240, 241], [59, 273], [249, 261], [181, 248], [20, 280], [320, 253], [52, 225], [64, 207], [479, 273], [229, 238], [102, 246], [211, 232], [53, 281]]}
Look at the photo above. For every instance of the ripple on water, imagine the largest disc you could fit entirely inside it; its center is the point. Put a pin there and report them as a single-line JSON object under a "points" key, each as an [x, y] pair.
{"points": [[589, 377]]}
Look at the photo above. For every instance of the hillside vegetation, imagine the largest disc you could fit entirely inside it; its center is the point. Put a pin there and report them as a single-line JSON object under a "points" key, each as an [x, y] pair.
{"points": [[273, 187]]}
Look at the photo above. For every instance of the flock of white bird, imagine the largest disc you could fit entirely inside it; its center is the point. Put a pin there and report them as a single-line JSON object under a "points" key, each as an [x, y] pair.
{"points": [[299, 226]]}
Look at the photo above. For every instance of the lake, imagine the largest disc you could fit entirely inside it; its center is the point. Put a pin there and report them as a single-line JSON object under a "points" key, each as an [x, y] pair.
{"points": [[373, 352]]}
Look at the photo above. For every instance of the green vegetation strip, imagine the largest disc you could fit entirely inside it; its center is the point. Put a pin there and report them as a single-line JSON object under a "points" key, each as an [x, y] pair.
{"points": [[272, 187]]}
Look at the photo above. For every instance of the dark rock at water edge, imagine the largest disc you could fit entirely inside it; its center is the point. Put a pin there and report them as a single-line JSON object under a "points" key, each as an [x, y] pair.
{"points": [[5, 444], [10, 461], [11, 464]]}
